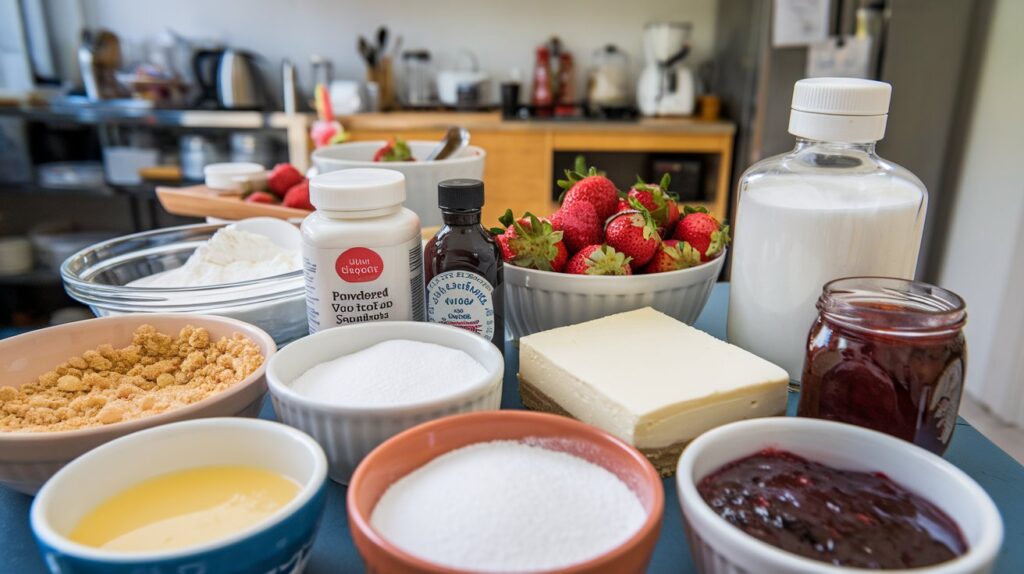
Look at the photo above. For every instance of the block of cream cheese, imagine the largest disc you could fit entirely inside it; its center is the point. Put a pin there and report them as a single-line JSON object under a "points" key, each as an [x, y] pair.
{"points": [[647, 378]]}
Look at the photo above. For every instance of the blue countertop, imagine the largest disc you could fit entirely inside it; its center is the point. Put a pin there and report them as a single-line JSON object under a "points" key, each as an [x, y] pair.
{"points": [[1000, 475]]}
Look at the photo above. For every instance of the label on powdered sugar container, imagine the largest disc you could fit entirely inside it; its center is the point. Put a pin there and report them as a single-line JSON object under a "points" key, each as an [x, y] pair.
{"points": [[361, 284], [462, 299]]}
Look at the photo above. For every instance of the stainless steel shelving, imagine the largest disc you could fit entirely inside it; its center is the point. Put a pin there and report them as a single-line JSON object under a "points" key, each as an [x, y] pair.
{"points": [[140, 113]]}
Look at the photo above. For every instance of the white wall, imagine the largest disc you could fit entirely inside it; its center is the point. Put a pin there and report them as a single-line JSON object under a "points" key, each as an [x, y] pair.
{"points": [[984, 254], [503, 34]]}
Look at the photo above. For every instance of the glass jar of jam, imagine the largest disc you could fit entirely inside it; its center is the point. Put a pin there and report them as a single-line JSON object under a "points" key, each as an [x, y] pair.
{"points": [[887, 354]]}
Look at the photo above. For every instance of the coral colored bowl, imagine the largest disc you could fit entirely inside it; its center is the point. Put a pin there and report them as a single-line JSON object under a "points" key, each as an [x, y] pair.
{"points": [[417, 446]]}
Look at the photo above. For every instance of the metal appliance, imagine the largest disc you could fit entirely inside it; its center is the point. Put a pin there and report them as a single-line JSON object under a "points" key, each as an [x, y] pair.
{"points": [[666, 85], [229, 79], [928, 50]]}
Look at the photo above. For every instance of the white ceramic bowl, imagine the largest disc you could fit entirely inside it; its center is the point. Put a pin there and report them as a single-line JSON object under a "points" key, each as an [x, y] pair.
{"points": [[279, 544], [349, 434], [718, 547], [540, 300], [421, 177]]}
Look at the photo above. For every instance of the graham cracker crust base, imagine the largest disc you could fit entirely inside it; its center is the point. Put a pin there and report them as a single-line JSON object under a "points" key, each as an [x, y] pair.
{"points": [[664, 458]]}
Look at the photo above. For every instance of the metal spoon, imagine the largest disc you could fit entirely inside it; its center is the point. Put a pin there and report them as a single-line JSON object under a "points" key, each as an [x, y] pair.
{"points": [[454, 141]]}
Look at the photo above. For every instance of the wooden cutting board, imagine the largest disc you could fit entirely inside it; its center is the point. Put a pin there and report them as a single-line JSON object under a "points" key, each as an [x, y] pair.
{"points": [[202, 201]]}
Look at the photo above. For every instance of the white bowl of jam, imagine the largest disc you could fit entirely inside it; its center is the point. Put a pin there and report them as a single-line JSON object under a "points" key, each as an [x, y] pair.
{"points": [[794, 495]]}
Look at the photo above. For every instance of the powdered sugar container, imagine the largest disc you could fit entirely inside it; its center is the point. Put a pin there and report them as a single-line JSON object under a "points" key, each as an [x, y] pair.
{"points": [[828, 209], [362, 251]]}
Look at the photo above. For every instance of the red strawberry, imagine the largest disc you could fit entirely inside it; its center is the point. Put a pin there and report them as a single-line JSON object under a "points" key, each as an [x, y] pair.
{"points": [[623, 205], [672, 215], [633, 233], [701, 230], [532, 242], [261, 197], [283, 177], [672, 255], [588, 185], [579, 225], [298, 196], [656, 198], [395, 150], [599, 260]]}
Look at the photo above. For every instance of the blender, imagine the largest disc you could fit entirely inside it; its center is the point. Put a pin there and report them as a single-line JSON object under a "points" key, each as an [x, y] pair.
{"points": [[666, 86]]}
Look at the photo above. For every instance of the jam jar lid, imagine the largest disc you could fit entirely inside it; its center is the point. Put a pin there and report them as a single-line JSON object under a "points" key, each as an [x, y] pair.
{"points": [[892, 305]]}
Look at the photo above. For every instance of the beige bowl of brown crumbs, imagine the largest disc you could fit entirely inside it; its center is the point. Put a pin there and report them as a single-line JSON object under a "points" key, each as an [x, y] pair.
{"points": [[67, 389]]}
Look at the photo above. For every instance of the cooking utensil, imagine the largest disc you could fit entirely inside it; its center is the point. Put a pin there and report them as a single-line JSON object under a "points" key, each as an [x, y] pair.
{"points": [[289, 87], [367, 52], [454, 140], [382, 39], [99, 57]]}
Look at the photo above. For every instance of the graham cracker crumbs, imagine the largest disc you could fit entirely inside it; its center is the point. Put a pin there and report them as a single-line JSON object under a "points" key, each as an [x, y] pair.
{"points": [[156, 373]]}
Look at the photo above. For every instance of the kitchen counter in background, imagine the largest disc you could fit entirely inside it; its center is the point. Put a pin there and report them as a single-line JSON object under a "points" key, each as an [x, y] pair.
{"points": [[523, 156]]}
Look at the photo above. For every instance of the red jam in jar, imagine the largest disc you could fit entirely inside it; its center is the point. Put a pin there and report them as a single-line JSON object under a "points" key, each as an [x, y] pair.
{"points": [[887, 354]]}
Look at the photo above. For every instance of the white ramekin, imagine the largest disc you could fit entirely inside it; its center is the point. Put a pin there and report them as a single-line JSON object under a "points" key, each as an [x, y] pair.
{"points": [[540, 300], [718, 547], [348, 434]]}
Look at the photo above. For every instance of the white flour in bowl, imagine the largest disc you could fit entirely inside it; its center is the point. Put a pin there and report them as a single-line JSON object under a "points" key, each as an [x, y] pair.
{"points": [[507, 506], [230, 256], [390, 373]]}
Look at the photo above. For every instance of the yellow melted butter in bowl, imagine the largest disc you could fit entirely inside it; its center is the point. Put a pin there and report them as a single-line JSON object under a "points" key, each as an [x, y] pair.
{"points": [[185, 508]]}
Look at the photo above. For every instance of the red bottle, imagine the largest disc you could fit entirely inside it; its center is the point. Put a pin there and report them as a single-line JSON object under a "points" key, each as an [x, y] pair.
{"points": [[543, 97]]}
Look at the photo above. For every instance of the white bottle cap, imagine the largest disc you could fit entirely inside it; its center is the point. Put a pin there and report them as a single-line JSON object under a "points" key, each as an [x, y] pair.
{"points": [[839, 109], [359, 189]]}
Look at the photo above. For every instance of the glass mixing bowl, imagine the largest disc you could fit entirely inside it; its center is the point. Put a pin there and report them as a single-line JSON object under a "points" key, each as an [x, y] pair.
{"points": [[98, 276]]}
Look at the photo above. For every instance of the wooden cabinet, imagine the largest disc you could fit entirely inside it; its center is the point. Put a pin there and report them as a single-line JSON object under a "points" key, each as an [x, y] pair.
{"points": [[518, 169]]}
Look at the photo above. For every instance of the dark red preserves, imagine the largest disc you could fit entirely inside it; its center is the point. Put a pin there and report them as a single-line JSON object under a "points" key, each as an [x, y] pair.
{"points": [[846, 518], [889, 355]]}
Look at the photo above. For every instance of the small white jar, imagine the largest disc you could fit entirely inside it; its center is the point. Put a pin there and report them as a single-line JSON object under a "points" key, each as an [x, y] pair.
{"points": [[362, 251]]}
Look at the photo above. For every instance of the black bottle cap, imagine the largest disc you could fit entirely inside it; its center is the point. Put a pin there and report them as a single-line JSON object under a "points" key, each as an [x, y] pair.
{"points": [[460, 194]]}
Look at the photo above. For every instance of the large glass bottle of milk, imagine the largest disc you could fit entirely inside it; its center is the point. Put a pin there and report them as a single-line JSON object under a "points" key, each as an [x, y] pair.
{"points": [[830, 208]]}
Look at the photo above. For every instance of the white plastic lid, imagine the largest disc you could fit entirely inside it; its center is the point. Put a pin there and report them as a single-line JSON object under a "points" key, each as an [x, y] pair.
{"points": [[358, 189], [227, 176], [840, 109]]}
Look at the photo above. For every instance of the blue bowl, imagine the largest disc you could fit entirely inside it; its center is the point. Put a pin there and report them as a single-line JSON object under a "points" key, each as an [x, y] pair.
{"points": [[279, 544]]}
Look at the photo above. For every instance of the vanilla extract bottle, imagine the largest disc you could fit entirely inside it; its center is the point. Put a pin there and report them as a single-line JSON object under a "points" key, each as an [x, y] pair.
{"points": [[463, 267]]}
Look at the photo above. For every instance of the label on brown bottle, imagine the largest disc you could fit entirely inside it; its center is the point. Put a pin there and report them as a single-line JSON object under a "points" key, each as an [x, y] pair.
{"points": [[462, 299]]}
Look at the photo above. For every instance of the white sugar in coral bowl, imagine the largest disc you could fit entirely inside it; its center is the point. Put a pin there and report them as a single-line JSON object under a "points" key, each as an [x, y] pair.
{"points": [[349, 433], [540, 300]]}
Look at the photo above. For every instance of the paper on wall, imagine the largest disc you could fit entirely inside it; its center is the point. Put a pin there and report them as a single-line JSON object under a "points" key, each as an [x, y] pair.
{"points": [[799, 22], [849, 60]]}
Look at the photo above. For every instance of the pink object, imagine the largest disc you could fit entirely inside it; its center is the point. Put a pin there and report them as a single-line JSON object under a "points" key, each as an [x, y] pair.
{"points": [[323, 132]]}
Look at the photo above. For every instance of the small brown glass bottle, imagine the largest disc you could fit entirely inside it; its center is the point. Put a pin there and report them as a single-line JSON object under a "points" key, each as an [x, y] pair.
{"points": [[463, 267]]}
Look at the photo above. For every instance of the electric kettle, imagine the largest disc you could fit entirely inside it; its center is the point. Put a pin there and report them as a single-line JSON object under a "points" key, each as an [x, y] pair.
{"points": [[229, 79]]}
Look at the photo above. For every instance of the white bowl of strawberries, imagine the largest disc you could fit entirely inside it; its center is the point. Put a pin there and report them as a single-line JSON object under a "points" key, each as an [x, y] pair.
{"points": [[603, 253]]}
